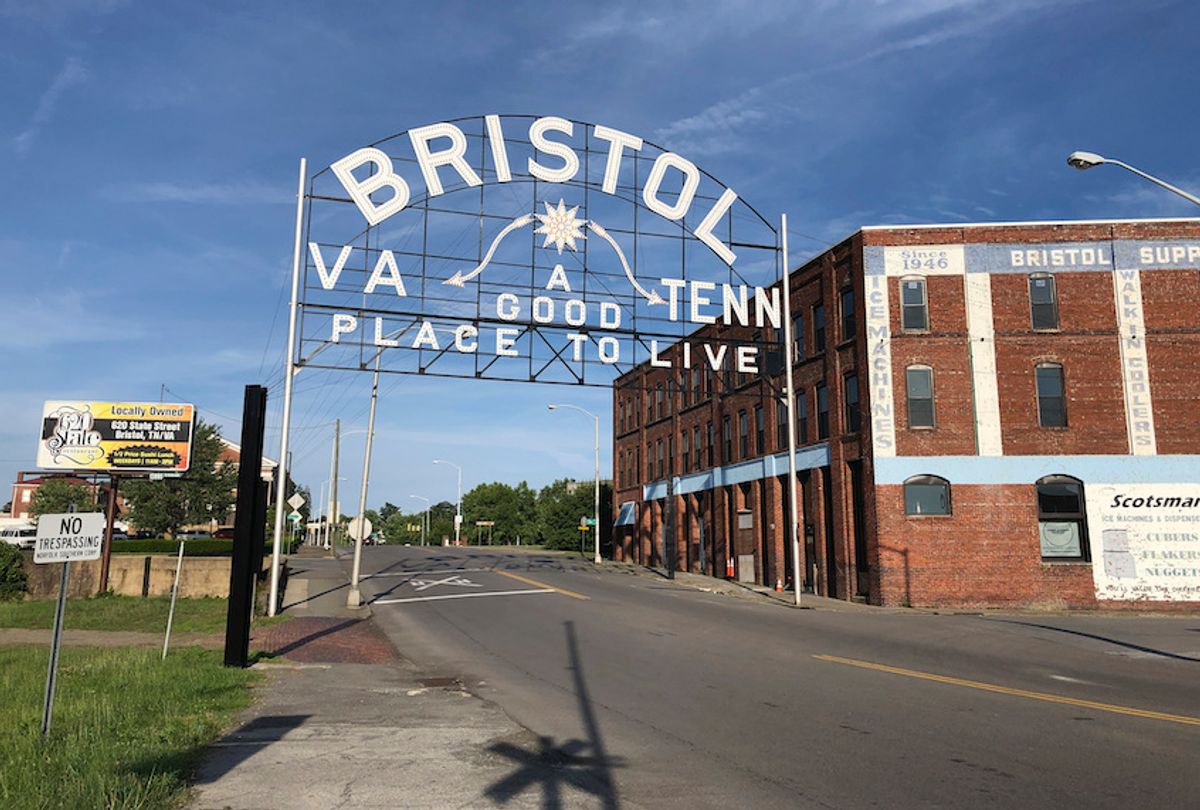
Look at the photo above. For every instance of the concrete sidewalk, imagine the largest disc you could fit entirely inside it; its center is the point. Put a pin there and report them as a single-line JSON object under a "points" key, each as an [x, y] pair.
{"points": [[343, 720]]}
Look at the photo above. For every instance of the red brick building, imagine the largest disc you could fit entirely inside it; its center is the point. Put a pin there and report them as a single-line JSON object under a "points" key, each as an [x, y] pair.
{"points": [[987, 415]]}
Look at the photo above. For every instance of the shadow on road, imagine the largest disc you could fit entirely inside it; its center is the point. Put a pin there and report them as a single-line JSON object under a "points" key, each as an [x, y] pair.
{"points": [[1107, 640], [239, 745], [582, 764]]}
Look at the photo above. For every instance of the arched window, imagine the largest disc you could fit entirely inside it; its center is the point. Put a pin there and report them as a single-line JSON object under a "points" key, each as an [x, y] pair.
{"points": [[1051, 395], [914, 307], [926, 495], [919, 384], [1043, 301], [1062, 518]]}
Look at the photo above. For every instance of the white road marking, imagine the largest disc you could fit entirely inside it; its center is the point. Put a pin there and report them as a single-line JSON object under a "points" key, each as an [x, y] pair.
{"points": [[453, 579], [422, 573], [460, 596]]}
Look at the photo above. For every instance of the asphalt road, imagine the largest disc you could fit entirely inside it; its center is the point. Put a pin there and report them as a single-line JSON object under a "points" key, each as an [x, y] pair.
{"points": [[649, 694]]}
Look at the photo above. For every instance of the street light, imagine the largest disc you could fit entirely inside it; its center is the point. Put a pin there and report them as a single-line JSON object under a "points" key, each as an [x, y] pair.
{"points": [[1086, 160], [596, 499], [458, 506], [425, 519]]}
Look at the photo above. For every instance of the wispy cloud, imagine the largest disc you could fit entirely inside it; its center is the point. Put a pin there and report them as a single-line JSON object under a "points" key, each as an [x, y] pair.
{"points": [[72, 73], [886, 30], [54, 12], [46, 320], [242, 192]]}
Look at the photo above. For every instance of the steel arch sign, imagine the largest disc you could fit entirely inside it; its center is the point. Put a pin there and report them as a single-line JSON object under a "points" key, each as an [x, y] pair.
{"points": [[527, 248]]}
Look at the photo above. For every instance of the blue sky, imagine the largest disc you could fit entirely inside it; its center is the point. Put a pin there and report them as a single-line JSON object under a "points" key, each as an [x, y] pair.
{"points": [[149, 154]]}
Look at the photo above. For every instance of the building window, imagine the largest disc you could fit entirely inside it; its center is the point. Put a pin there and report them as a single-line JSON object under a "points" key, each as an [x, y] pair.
{"points": [[696, 444], [685, 454], [649, 407], [743, 434], [685, 392], [1052, 404], [621, 415], [1062, 521], [708, 432], [822, 411], [853, 415], [671, 454], [658, 401], [696, 397], [849, 326], [649, 462], [1043, 301], [636, 467], [801, 417], [798, 338], [727, 439], [919, 382], [819, 328], [926, 495], [914, 306], [781, 424], [760, 430], [710, 381], [662, 467]]}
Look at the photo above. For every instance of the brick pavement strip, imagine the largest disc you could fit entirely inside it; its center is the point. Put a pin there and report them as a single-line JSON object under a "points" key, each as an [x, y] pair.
{"points": [[326, 640]]}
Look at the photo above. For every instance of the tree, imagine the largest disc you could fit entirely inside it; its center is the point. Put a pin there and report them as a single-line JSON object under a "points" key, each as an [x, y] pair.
{"points": [[512, 509], [559, 508], [57, 495], [204, 493]]}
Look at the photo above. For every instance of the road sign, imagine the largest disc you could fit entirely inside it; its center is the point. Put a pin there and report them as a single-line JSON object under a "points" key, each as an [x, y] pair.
{"points": [[587, 521], [359, 529], [296, 501], [64, 538], [295, 517], [485, 523]]}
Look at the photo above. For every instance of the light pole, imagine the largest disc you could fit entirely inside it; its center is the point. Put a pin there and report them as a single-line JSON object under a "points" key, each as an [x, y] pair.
{"points": [[1086, 160], [596, 499], [425, 518], [458, 506]]}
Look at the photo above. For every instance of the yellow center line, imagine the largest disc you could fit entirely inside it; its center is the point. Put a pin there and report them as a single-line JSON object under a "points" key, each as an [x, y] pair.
{"points": [[529, 581], [1008, 690]]}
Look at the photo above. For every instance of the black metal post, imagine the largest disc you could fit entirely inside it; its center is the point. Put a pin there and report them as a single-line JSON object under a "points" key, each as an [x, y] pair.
{"points": [[248, 529], [670, 528]]}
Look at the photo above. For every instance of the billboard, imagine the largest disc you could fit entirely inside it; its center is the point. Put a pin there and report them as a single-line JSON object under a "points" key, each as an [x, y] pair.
{"points": [[1146, 541], [115, 436], [532, 249]]}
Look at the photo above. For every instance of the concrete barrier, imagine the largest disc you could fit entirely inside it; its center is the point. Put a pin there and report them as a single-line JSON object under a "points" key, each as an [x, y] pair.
{"points": [[132, 575]]}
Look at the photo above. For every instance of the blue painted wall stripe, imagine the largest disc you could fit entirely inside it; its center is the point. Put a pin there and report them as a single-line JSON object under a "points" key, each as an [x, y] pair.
{"points": [[1167, 469], [807, 458]]}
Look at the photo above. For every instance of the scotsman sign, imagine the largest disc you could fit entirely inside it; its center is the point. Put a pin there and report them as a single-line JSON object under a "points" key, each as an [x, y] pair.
{"points": [[533, 249]]}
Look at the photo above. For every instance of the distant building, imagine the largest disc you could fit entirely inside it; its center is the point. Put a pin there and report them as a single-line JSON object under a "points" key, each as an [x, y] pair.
{"points": [[987, 415], [28, 482]]}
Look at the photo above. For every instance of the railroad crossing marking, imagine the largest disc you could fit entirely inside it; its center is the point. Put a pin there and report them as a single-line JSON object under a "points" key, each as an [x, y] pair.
{"points": [[453, 579]]}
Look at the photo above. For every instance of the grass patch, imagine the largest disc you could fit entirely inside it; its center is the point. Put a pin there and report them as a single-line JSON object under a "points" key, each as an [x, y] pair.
{"points": [[128, 729], [109, 612]]}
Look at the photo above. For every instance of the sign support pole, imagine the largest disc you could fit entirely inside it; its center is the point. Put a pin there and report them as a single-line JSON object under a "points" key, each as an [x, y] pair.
{"points": [[52, 676], [174, 594], [55, 644], [790, 396], [106, 554], [289, 373], [354, 598]]}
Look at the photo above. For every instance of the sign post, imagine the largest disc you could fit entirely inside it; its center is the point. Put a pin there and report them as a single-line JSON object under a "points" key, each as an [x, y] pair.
{"points": [[63, 538], [174, 593]]}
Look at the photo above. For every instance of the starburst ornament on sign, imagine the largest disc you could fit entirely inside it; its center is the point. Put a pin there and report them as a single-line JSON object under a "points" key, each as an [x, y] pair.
{"points": [[560, 226]]}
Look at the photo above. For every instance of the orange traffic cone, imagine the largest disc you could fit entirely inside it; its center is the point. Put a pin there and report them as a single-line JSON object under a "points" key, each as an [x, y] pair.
{"points": [[778, 585]]}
